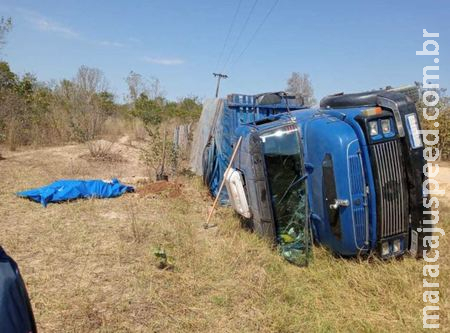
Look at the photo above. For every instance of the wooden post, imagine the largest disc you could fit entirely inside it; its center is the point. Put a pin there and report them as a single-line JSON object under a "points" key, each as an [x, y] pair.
{"points": [[223, 182]]}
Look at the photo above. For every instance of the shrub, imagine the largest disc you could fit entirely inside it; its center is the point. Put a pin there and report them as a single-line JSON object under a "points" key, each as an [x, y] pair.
{"points": [[99, 149], [159, 154]]}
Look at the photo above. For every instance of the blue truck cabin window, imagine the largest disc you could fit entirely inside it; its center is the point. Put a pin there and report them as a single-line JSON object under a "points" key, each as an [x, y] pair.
{"points": [[284, 165]]}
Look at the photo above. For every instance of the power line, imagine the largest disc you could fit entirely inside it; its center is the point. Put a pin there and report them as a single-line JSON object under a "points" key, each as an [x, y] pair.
{"points": [[228, 33], [255, 33], [240, 34]]}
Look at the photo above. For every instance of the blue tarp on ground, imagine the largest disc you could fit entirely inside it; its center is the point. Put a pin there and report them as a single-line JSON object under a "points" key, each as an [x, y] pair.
{"points": [[67, 189]]}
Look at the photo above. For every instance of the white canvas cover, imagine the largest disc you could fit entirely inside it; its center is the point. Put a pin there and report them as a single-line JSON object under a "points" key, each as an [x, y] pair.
{"points": [[211, 108]]}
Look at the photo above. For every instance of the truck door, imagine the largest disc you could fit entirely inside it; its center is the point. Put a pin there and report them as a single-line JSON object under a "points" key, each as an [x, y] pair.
{"points": [[338, 198]]}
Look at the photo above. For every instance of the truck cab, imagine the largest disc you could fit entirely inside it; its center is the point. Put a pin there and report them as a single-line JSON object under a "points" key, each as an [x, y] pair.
{"points": [[347, 174]]}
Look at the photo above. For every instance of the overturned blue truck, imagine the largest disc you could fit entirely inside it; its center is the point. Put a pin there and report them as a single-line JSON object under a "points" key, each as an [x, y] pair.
{"points": [[347, 175]]}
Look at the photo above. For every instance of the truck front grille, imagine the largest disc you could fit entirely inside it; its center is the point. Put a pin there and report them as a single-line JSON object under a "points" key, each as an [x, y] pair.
{"points": [[358, 187], [391, 188]]}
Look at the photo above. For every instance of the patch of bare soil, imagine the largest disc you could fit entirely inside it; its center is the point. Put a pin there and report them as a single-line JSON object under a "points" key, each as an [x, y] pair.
{"points": [[170, 189]]}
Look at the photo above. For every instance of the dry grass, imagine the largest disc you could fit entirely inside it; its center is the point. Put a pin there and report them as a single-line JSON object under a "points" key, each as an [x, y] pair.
{"points": [[90, 266]]}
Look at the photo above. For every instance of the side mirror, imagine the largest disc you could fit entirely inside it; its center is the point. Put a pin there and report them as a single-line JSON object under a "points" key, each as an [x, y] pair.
{"points": [[309, 168]]}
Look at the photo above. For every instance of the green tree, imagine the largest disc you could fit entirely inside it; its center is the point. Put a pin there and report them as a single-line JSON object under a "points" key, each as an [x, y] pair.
{"points": [[106, 103], [150, 111], [86, 102], [8, 80], [186, 110]]}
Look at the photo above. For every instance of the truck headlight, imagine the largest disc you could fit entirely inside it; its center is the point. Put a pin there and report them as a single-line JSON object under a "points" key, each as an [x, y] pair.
{"points": [[396, 246], [413, 131], [386, 126], [373, 128]]}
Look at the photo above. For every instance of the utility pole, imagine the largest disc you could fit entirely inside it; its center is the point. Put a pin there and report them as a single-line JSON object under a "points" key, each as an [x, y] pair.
{"points": [[219, 77]]}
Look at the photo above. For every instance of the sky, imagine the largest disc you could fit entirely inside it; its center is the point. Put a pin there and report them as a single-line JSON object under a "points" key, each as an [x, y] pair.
{"points": [[345, 46]]}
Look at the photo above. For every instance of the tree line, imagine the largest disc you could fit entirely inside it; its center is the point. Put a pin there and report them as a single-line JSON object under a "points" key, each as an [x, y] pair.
{"points": [[33, 112]]}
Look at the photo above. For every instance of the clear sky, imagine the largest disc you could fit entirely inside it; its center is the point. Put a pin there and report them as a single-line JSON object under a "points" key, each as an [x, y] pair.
{"points": [[344, 45]]}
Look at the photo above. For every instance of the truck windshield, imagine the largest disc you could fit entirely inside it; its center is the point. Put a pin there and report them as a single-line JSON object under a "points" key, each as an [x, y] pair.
{"points": [[283, 161]]}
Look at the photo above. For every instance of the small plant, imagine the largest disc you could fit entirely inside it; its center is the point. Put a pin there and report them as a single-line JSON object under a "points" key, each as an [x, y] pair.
{"points": [[139, 228], [165, 262], [159, 154]]}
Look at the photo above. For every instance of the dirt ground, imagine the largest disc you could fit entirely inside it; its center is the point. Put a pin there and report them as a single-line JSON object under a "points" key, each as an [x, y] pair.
{"points": [[90, 265]]}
